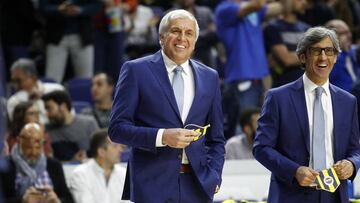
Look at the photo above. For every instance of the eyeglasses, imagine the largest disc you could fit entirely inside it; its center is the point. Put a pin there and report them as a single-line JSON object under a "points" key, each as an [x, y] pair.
{"points": [[316, 51]]}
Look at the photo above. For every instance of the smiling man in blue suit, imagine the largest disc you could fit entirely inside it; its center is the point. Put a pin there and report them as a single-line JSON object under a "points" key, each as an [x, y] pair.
{"points": [[156, 98], [309, 125]]}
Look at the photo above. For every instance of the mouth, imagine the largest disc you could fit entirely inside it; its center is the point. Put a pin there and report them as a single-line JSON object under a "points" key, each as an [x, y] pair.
{"points": [[322, 66], [180, 46]]}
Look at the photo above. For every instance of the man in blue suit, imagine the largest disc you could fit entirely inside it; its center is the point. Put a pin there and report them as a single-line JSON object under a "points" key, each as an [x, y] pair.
{"points": [[156, 99], [293, 119]]}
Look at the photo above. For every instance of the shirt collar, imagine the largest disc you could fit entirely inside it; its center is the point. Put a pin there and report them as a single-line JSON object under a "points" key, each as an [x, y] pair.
{"points": [[310, 86], [171, 65]]}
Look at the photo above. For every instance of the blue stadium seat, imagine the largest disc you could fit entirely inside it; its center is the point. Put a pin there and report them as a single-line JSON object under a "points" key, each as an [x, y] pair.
{"points": [[79, 89]]}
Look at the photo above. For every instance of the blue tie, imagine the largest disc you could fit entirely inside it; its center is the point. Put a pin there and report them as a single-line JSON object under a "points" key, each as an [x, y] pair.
{"points": [[319, 152], [178, 86]]}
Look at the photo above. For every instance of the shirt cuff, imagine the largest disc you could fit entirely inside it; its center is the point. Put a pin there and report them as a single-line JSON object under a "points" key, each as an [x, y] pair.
{"points": [[159, 136]]}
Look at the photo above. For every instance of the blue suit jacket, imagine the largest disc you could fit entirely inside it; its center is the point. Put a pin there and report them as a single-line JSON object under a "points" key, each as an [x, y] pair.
{"points": [[144, 102], [283, 138]]}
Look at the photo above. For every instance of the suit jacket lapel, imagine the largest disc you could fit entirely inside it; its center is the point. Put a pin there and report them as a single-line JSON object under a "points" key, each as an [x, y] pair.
{"points": [[299, 104], [335, 100], [159, 69]]}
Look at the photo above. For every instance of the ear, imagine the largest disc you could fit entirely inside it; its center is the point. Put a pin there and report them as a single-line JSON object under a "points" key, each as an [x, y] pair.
{"points": [[246, 128], [161, 39], [63, 107], [100, 152], [302, 58]]}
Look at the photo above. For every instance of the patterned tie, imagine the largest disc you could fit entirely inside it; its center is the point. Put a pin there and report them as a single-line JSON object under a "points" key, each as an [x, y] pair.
{"points": [[178, 86], [319, 153]]}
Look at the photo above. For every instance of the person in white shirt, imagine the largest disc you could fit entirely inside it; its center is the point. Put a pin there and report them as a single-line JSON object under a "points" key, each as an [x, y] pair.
{"points": [[240, 146], [28, 87], [100, 179]]}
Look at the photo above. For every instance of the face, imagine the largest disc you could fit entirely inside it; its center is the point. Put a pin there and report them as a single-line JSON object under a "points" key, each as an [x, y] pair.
{"points": [[345, 36], [186, 3], [31, 144], [32, 115], [254, 125], [299, 6], [55, 113], [22, 81], [178, 42], [100, 89], [318, 68], [113, 152]]}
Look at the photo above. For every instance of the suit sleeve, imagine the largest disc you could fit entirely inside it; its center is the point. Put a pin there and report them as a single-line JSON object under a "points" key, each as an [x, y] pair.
{"points": [[353, 151], [266, 140], [123, 128]]}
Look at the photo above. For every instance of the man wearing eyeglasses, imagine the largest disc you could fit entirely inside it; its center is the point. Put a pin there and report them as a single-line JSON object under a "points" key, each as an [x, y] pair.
{"points": [[309, 125]]}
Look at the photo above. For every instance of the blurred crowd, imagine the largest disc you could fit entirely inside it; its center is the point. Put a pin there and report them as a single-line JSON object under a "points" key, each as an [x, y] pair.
{"points": [[59, 62]]}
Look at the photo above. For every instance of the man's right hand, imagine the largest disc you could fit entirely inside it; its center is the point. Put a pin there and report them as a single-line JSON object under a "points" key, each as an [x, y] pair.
{"points": [[178, 137], [306, 175]]}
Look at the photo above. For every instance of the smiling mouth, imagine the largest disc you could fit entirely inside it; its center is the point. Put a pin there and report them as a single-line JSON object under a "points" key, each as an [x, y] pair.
{"points": [[322, 66], [180, 46]]}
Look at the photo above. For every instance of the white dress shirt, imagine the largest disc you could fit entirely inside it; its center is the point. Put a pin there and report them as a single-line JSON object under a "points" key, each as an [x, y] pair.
{"points": [[88, 185], [309, 88], [189, 92]]}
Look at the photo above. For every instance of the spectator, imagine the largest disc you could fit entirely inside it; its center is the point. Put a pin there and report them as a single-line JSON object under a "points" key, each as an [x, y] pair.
{"points": [[69, 30], [24, 113], [239, 28], [346, 70], [205, 45], [240, 146], [317, 13], [102, 88], [16, 37], [31, 176], [100, 179], [281, 37], [141, 31], [70, 134], [28, 87], [110, 36]]}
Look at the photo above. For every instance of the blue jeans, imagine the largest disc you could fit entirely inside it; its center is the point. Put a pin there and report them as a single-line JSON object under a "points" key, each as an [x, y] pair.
{"points": [[109, 52]]}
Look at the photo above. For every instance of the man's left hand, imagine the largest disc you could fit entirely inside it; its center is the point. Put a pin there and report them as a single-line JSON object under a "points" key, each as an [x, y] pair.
{"points": [[344, 169]]}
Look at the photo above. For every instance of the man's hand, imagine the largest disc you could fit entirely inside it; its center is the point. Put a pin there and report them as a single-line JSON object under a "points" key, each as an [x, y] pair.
{"points": [[305, 175], [32, 195], [51, 196], [344, 169], [69, 9], [178, 137]]}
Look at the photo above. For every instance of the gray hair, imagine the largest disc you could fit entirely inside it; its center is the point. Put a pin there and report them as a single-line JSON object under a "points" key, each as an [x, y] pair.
{"points": [[315, 35], [177, 14], [26, 65]]}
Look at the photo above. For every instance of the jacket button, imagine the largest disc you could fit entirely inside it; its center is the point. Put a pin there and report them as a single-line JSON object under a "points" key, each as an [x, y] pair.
{"points": [[180, 156]]}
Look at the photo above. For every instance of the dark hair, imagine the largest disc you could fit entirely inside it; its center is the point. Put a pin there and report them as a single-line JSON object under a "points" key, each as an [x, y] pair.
{"points": [[26, 65], [59, 97], [246, 114], [18, 121], [109, 80], [98, 140]]}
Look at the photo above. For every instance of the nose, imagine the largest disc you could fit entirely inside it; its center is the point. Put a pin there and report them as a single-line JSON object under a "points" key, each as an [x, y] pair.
{"points": [[181, 35], [322, 54]]}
